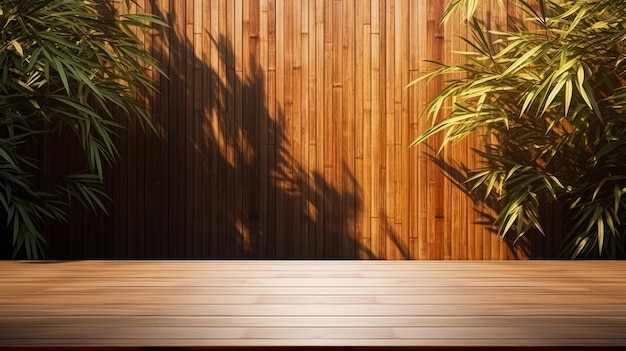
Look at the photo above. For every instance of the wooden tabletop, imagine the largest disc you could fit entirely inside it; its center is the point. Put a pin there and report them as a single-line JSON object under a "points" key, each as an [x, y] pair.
{"points": [[221, 304]]}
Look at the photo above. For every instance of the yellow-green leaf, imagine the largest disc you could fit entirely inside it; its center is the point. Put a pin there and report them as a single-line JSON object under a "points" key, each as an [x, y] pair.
{"points": [[568, 95], [17, 47]]}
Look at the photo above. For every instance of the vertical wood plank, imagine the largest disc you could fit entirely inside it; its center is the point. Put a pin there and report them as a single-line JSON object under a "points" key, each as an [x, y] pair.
{"points": [[349, 196], [301, 111], [359, 126], [422, 150], [214, 131], [281, 182], [239, 227], [231, 163], [320, 111], [205, 112], [272, 122], [309, 202], [389, 93], [336, 134], [264, 118], [435, 184], [120, 192], [403, 128], [415, 112], [328, 132], [309, 165], [292, 132], [198, 144], [377, 193], [187, 136], [247, 135], [223, 136]]}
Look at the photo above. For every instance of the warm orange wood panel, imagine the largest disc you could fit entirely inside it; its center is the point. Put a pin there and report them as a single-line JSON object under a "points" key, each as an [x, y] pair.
{"points": [[283, 132], [134, 305]]}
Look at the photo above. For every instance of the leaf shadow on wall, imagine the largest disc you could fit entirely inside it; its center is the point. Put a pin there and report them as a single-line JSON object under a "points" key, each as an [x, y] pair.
{"points": [[225, 176], [259, 197]]}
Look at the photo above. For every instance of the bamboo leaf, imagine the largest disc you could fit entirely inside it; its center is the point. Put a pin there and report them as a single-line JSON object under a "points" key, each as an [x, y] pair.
{"points": [[581, 89], [569, 91], [600, 229], [553, 93], [582, 12], [523, 60], [18, 48]]}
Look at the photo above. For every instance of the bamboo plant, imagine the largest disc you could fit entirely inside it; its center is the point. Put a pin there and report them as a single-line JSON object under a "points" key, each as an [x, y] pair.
{"points": [[552, 90], [64, 66]]}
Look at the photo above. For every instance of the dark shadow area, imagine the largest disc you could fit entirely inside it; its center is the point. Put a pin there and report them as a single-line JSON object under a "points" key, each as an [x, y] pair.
{"points": [[220, 178]]}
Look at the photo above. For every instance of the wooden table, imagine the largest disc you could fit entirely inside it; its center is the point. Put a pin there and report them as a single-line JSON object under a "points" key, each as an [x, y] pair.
{"points": [[308, 304]]}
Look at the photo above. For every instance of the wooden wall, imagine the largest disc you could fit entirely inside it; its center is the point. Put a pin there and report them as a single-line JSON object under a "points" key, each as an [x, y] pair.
{"points": [[284, 132]]}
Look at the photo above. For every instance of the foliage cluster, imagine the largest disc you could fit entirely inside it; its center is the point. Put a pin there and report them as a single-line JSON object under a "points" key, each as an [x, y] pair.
{"points": [[552, 90], [65, 69]]}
